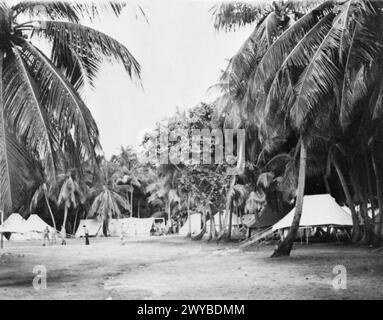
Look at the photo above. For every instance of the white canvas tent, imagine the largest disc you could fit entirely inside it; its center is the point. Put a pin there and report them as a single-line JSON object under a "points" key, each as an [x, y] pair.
{"points": [[318, 210], [93, 225], [36, 224], [15, 223], [138, 226], [195, 219], [130, 227], [35, 227]]}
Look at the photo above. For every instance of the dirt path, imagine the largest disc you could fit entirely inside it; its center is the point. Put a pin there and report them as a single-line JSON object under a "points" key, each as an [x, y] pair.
{"points": [[176, 268]]}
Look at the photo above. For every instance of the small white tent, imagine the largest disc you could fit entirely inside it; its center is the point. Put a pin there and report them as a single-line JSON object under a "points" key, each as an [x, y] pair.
{"points": [[16, 226], [130, 227], [35, 223], [93, 225], [318, 210], [35, 227], [195, 220], [138, 226], [15, 223]]}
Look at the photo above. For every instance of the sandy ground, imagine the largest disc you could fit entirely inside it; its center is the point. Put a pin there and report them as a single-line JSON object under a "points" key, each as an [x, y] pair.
{"points": [[172, 267]]}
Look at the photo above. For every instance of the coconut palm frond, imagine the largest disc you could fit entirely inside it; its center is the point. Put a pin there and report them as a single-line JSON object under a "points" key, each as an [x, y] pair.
{"points": [[265, 180], [274, 94], [24, 109], [18, 171], [255, 202], [318, 77], [363, 46], [240, 68], [80, 69], [62, 102], [69, 10], [86, 42], [275, 55], [173, 196], [107, 204], [230, 15]]}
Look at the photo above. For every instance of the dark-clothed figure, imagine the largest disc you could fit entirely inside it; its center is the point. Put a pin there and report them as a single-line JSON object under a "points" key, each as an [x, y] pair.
{"points": [[86, 232]]}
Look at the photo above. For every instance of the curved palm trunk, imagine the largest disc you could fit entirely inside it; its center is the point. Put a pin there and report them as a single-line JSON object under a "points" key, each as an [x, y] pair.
{"points": [[63, 231], [367, 231], [379, 189], [363, 211], [50, 211], [355, 220], [169, 211], [131, 201], [220, 221], [369, 184], [5, 192], [138, 209], [230, 224], [213, 232], [286, 245], [189, 221], [200, 235], [327, 185], [3, 151]]}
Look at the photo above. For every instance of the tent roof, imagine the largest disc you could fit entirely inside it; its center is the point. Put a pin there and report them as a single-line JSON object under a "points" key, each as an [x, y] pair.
{"points": [[93, 226], [318, 210], [15, 223], [35, 223]]}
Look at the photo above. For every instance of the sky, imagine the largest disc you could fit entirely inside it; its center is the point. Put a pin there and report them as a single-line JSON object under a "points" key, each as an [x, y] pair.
{"points": [[181, 56]]}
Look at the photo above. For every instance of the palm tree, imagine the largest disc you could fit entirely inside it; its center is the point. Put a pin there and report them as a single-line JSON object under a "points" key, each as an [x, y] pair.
{"points": [[39, 101], [107, 201], [71, 194], [43, 191], [289, 77]]}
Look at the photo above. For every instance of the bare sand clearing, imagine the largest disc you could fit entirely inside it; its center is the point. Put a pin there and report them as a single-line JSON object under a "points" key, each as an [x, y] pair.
{"points": [[172, 267]]}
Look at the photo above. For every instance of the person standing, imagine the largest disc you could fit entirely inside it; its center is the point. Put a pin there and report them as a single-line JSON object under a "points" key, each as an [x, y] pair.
{"points": [[122, 233], [46, 236], [63, 235], [86, 232]]}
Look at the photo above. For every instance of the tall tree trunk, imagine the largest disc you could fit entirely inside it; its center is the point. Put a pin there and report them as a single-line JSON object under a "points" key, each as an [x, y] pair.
{"points": [[138, 209], [379, 189], [355, 220], [362, 199], [210, 226], [131, 201], [369, 184], [230, 221], [286, 245], [200, 235], [50, 211], [228, 212], [189, 218], [5, 193], [367, 232], [220, 221], [169, 211], [75, 222], [327, 185], [63, 230]]}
